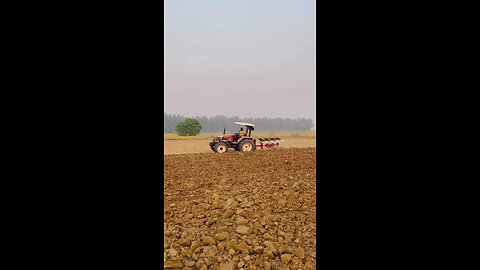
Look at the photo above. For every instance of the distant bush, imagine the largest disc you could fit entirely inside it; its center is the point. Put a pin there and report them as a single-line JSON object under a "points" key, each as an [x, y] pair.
{"points": [[188, 127]]}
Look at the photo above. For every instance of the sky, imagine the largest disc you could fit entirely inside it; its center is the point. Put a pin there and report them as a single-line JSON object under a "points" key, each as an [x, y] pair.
{"points": [[247, 58]]}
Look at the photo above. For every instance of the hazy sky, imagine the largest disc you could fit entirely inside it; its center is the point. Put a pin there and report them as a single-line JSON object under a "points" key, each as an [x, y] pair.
{"points": [[247, 58]]}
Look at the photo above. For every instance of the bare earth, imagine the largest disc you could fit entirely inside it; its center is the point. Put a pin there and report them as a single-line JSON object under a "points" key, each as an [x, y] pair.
{"points": [[201, 146], [240, 210]]}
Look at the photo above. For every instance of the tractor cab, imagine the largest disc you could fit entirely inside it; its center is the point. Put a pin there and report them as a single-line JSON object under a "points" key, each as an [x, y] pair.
{"points": [[248, 133]]}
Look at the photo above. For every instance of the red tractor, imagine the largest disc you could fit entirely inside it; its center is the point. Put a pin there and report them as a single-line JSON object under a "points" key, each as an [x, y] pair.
{"points": [[244, 143]]}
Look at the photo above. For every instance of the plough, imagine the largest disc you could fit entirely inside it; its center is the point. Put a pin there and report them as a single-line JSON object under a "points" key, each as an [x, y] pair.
{"points": [[267, 142]]}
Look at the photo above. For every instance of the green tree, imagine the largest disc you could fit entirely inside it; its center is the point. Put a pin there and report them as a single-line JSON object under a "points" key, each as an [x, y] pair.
{"points": [[188, 127]]}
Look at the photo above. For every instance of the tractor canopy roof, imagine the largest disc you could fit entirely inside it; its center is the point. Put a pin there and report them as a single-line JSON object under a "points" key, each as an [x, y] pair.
{"points": [[244, 124]]}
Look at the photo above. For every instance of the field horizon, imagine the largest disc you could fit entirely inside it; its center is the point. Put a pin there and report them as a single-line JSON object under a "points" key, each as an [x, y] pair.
{"points": [[210, 135], [175, 144]]}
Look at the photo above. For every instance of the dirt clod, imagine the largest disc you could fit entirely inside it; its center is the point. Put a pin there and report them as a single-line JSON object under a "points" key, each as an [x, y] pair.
{"points": [[208, 240], [222, 236], [227, 266], [300, 253], [286, 258], [242, 229]]}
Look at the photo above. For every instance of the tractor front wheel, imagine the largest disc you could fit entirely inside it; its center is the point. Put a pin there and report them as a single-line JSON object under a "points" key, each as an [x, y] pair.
{"points": [[221, 147], [246, 146]]}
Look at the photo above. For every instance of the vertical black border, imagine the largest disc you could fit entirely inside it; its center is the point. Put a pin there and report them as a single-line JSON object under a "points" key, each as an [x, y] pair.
{"points": [[106, 62]]}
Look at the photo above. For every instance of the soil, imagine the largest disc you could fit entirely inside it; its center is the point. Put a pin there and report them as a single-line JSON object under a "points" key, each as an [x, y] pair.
{"points": [[237, 210]]}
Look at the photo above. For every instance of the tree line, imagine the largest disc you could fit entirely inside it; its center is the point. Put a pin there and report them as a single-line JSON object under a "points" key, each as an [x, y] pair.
{"points": [[219, 122]]}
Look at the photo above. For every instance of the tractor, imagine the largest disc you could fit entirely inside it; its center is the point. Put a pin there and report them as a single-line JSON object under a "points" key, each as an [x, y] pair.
{"points": [[246, 143]]}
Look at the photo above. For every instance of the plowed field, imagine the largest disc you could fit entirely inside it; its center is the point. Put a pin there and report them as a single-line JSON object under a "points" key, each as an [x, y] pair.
{"points": [[236, 210]]}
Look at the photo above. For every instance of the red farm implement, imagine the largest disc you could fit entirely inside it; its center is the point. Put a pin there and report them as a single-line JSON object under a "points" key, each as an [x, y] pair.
{"points": [[242, 141]]}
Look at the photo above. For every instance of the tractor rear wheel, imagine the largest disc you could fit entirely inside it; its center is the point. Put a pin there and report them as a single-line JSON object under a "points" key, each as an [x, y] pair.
{"points": [[221, 147], [246, 146]]}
